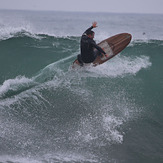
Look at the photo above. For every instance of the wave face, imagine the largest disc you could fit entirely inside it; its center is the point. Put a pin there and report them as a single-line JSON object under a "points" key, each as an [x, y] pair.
{"points": [[52, 113]]}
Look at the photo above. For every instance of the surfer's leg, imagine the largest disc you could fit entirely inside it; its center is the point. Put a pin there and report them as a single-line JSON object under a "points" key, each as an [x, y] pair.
{"points": [[80, 60]]}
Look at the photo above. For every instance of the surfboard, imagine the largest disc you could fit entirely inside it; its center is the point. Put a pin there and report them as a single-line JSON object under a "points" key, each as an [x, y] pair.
{"points": [[112, 46]]}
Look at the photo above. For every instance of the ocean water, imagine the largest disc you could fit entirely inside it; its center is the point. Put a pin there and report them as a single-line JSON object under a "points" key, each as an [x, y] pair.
{"points": [[50, 113]]}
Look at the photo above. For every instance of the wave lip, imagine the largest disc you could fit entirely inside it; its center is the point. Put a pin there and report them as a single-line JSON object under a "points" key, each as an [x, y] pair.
{"points": [[12, 87], [11, 32]]}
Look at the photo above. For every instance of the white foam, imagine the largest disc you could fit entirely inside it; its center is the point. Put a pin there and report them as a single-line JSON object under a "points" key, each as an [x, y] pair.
{"points": [[70, 157], [110, 124], [17, 159], [14, 84], [9, 31], [55, 157], [120, 66], [99, 130]]}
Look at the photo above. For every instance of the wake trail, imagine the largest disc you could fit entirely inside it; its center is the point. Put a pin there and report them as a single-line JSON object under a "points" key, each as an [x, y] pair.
{"points": [[12, 87]]}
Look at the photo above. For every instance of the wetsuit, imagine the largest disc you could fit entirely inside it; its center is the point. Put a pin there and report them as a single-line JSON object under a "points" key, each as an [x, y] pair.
{"points": [[87, 46]]}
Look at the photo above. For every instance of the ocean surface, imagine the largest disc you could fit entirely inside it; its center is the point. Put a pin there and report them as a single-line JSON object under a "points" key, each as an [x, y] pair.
{"points": [[51, 113]]}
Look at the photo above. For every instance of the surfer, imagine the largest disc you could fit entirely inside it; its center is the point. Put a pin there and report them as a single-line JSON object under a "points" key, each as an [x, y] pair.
{"points": [[87, 45]]}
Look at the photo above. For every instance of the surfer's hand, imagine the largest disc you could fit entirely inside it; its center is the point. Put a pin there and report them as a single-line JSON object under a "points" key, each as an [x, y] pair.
{"points": [[106, 55], [103, 57], [94, 24]]}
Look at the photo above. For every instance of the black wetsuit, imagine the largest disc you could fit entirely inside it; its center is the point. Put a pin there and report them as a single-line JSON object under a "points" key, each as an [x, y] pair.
{"points": [[87, 46]]}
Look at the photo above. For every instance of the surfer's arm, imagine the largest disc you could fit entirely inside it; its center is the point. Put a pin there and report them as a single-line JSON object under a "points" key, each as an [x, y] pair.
{"points": [[97, 47], [94, 25], [89, 29]]}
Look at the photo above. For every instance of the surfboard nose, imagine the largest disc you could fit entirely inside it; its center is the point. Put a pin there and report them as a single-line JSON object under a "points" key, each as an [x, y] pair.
{"points": [[129, 36]]}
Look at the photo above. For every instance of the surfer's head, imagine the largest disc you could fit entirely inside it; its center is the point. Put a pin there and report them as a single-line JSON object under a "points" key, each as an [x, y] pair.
{"points": [[91, 34]]}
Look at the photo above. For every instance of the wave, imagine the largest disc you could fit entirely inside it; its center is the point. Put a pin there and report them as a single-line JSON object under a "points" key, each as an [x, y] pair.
{"points": [[56, 95], [132, 62], [12, 32], [26, 30], [124, 66], [59, 53], [15, 86], [52, 157], [50, 112], [8, 33]]}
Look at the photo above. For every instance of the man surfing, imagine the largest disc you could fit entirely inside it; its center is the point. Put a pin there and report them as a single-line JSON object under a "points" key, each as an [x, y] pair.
{"points": [[87, 45]]}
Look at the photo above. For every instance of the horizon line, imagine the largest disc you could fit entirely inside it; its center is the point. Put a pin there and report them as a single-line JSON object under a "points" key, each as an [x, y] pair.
{"points": [[37, 10]]}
